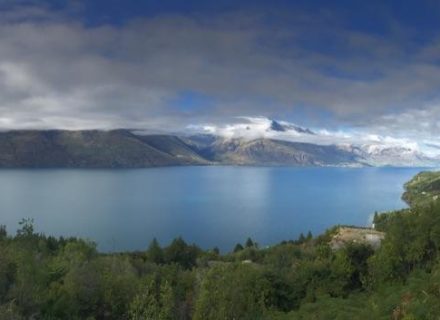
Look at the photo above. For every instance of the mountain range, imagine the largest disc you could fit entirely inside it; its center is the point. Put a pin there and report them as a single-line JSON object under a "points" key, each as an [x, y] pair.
{"points": [[130, 149]]}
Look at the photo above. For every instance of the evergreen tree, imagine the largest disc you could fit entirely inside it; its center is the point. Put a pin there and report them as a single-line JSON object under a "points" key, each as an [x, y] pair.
{"points": [[232, 292], [249, 243], [238, 247], [155, 302], [3, 232], [166, 301], [375, 219], [181, 253], [26, 228], [155, 252]]}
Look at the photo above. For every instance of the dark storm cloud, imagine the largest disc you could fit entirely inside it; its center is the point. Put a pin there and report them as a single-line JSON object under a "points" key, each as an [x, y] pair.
{"points": [[56, 71]]}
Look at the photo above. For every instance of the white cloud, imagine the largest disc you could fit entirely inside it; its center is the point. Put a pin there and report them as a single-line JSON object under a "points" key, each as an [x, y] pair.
{"points": [[260, 127], [58, 73]]}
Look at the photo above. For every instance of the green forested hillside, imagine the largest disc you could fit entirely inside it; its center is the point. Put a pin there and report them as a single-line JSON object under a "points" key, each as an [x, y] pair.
{"points": [[42, 277], [423, 188], [90, 149]]}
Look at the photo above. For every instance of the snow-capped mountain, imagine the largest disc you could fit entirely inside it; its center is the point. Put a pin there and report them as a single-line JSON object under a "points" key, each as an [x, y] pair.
{"points": [[384, 155], [379, 155], [125, 149], [316, 146], [282, 126]]}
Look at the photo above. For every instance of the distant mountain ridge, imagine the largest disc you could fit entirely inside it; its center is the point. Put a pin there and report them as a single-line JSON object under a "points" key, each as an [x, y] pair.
{"points": [[283, 127], [92, 149], [264, 151], [126, 149]]}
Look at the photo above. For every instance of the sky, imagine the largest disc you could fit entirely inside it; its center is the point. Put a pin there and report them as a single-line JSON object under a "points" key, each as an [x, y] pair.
{"points": [[366, 70]]}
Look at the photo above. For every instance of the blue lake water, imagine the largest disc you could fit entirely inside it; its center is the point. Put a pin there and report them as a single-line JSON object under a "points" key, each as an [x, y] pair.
{"points": [[210, 206]]}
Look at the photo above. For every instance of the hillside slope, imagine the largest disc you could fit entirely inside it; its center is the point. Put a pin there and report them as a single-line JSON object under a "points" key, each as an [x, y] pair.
{"points": [[269, 152], [175, 147], [422, 189], [126, 149], [83, 149], [277, 152]]}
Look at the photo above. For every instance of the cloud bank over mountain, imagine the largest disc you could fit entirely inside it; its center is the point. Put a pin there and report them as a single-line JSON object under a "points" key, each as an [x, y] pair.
{"points": [[250, 128], [168, 68]]}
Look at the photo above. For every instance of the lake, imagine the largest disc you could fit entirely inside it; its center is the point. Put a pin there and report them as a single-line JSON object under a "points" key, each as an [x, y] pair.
{"points": [[210, 206]]}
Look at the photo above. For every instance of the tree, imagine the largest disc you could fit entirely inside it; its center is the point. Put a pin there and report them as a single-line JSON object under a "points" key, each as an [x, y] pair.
{"points": [[358, 255], [249, 243], [376, 217], [3, 233], [155, 253], [26, 228], [10, 311], [232, 292], [166, 301], [119, 285], [145, 305], [7, 274], [181, 253], [154, 302], [238, 247]]}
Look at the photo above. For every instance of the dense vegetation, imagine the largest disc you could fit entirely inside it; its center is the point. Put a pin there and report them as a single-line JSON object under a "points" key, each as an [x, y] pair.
{"points": [[44, 277], [422, 189]]}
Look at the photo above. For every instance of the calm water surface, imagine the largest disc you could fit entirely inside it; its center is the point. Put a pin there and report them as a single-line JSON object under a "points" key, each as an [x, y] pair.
{"points": [[211, 206]]}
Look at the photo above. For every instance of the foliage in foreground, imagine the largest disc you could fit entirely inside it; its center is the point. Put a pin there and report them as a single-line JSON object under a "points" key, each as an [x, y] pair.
{"points": [[55, 278]]}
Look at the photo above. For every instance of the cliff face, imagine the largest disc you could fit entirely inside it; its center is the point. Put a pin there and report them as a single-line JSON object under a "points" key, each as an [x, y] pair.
{"points": [[347, 235]]}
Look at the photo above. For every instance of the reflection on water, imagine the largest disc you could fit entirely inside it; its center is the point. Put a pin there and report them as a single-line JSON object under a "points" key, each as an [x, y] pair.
{"points": [[211, 206]]}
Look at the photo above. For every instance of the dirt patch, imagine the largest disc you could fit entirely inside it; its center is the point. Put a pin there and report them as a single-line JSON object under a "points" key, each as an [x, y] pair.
{"points": [[345, 235]]}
